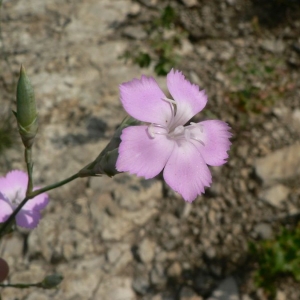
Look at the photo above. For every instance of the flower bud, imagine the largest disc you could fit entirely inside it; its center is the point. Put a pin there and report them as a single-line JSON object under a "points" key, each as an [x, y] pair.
{"points": [[26, 110], [105, 163], [51, 281]]}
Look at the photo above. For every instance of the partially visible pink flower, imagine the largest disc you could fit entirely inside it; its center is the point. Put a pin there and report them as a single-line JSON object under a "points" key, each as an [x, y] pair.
{"points": [[164, 143], [12, 191]]}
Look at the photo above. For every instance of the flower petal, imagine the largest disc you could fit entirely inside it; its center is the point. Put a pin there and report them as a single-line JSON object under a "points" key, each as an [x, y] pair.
{"points": [[28, 219], [142, 99], [5, 209], [215, 137], [186, 172], [190, 100], [15, 181], [141, 154], [37, 203]]}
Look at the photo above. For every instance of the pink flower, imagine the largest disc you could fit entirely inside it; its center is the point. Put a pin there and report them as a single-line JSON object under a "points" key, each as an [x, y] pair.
{"points": [[12, 192], [164, 143]]}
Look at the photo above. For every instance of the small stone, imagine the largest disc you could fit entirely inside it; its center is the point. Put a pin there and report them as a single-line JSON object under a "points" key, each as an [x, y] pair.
{"points": [[146, 250], [210, 252], [135, 9], [222, 78], [242, 150], [274, 46], [231, 2], [195, 79], [280, 295], [158, 297], [37, 295], [116, 228], [157, 275], [246, 297], [205, 53], [186, 47], [227, 290], [188, 293], [135, 32], [119, 256], [141, 284], [263, 230], [116, 288], [275, 195], [174, 270], [296, 119], [281, 112], [190, 3]]}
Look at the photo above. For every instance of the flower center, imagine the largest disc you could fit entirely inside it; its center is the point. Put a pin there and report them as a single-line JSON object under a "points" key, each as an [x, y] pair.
{"points": [[192, 132]]}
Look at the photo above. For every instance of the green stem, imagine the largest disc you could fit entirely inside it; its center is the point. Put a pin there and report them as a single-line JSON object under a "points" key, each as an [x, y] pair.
{"points": [[53, 186], [33, 194], [21, 285], [29, 164]]}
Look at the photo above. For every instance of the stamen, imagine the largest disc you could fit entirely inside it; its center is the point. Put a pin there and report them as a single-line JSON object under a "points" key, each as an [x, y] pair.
{"points": [[198, 140], [169, 100], [152, 132], [179, 130], [190, 136], [198, 125], [172, 104]]}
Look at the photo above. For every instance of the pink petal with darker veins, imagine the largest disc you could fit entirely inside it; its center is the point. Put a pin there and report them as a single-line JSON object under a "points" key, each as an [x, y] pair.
{"points": [[37, 203], [190, 100], [186, 171], [5, 209], [28, 219], [215, 137], [142, 99], [141, 154], [15, 181]]}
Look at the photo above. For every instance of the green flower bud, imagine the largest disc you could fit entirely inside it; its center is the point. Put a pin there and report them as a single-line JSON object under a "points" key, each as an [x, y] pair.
{"points": [[26, 110], [105, 163], [51, 281]]}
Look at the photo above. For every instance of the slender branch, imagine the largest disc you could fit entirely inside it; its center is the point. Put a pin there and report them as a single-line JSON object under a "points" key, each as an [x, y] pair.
{"points": [[11, 218], [53, 186], [21, 285]]}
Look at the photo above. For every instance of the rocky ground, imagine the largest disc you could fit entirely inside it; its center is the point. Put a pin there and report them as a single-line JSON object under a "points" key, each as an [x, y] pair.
{"points": [[127, 238]]}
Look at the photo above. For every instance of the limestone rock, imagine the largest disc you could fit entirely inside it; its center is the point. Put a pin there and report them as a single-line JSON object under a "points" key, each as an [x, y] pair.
{"points": [[275, 195], [279, 165]]}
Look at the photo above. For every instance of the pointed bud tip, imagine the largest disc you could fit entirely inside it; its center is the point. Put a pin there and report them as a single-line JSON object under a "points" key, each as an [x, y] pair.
{"points": [[26, 109], [22, 69]]}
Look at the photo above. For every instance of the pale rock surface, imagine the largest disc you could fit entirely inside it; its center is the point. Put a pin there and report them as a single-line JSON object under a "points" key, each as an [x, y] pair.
{"points": [[275, 46], [275, 195], [279, 165]]}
